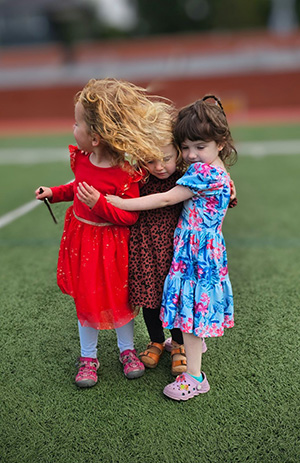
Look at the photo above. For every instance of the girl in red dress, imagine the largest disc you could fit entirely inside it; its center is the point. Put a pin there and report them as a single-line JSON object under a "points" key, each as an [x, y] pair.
{"points": [[112, 118]]}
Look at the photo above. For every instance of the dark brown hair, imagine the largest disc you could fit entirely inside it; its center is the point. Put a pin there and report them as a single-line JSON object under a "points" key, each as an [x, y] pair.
{"points": [[206, 120]]}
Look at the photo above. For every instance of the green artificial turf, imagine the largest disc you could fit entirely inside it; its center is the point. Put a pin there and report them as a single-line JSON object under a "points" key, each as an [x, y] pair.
{"points": [[265, 132], [251, 413]]}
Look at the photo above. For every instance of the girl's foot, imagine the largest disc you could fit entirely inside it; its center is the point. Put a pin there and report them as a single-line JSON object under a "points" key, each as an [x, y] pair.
{"points": [[185, 387], [150, 357], [178, 356], [87, 373], [169, 346], [132, 366]]}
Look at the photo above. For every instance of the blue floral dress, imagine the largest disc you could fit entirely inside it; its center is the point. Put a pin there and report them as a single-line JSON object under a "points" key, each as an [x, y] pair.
{"points": [[197, 294]]}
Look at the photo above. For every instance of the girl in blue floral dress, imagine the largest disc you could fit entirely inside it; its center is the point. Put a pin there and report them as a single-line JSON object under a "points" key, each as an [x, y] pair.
{"points": [[197, 294]]}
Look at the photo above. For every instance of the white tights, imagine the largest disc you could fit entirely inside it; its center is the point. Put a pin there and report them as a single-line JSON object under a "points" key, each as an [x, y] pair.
{"points": [[89, 339]]}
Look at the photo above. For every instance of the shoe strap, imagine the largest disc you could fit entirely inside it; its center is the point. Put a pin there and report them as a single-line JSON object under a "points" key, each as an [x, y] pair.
{"points": [[179, 350]]}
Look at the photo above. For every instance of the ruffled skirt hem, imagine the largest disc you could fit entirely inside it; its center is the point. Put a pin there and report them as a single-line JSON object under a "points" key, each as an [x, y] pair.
{"points": [[93, 269], [196, 307]]}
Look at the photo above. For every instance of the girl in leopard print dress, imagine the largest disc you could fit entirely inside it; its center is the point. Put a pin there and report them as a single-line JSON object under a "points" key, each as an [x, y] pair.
{"points": [[150, 256]]}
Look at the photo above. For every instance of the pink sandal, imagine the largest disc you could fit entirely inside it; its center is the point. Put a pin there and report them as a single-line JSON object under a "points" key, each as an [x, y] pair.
{"points": [[132, 366], [169, 347], [87, 373], [185, 387]]}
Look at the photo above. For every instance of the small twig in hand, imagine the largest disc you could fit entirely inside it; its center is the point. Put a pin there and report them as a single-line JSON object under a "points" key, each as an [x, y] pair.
{"points": [[46, 201]]}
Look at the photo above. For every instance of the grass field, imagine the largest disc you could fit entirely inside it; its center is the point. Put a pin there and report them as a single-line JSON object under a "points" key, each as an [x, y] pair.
{"points": [[251, 413]]}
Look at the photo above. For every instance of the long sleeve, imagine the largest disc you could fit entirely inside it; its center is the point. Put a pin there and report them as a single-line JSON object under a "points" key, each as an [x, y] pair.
{"points": [[113, 180], [63, 193], [115, 215]]}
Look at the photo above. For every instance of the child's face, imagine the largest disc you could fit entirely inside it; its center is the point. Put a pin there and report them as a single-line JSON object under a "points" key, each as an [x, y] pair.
{"points": [[200, 151], [80, 130], [163, 169]]}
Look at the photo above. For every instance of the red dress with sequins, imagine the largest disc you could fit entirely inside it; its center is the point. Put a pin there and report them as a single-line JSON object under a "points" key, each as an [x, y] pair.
{"points": [[93, 255]]}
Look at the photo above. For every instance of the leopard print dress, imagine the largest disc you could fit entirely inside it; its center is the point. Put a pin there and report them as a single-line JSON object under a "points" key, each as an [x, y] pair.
{"points": [[151, 247]]}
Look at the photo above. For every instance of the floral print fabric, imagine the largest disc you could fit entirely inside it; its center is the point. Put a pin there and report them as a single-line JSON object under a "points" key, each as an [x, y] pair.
{"points": [[197, 294]]}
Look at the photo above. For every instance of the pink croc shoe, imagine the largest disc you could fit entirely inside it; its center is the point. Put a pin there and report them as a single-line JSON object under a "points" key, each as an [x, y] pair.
{"points": [[185, 387], [132, 366], [87, 373], [169, 347]]}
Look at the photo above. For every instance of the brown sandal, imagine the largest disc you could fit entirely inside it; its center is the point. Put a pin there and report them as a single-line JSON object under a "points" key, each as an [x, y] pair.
{"points": [[179, 365], [150, 357]]}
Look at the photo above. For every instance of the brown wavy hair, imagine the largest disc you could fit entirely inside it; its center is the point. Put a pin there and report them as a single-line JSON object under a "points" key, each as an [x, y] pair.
{"points": [[131, 123], [206, 120]]}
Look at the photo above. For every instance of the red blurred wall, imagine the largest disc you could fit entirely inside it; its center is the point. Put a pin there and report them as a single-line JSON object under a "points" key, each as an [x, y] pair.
{"points": [[243, 92]]}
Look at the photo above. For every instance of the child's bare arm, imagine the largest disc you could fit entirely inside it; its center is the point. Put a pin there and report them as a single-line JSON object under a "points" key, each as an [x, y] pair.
{"points": [[173, 196]]}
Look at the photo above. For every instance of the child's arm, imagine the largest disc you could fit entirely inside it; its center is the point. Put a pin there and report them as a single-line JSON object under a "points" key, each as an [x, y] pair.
{"points": [[232, 190], [56, 194], [233, 198], [98, 204], [173, 196], [63, 193]]}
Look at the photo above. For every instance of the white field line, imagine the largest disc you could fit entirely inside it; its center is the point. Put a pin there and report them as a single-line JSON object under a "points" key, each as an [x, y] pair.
{"points": [[16, 213], [43, 155], [266, 148], [33, 155], [36, 156], [22, 210]]}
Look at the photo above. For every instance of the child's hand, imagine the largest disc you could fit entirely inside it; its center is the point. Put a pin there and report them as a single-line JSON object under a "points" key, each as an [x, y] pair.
{"points": [[233, 198], [232, 190], [115, 201], [47, 193], [87, 194]]}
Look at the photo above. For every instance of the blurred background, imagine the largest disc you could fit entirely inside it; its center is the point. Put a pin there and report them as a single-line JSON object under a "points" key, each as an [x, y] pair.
{"points": [[248, 53]]}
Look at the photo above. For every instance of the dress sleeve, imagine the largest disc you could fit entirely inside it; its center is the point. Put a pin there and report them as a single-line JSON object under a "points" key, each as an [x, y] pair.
{"points": [[73, 151], [115, 215], [66, 192], [202, 179], [62, 193]]}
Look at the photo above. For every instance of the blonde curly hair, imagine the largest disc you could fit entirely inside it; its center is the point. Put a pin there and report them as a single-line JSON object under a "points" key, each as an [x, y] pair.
{"points": [[130, 122]]}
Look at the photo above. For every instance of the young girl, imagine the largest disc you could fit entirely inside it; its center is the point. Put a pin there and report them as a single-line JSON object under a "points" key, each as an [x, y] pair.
{"points": [[197, 294], [150, 256], [112, 118]]}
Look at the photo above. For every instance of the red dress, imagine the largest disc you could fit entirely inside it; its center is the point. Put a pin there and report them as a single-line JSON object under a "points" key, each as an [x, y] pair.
{"points": [[93, 255]]}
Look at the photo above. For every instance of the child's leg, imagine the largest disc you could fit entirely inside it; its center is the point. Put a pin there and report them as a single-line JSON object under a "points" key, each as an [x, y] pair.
{"points": [[177, 350], [88, 362], [193, 382], [133, 367], [88, 341], [125, 336], [176, 334], [154, 325], [193, 351], [151, 355]]}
